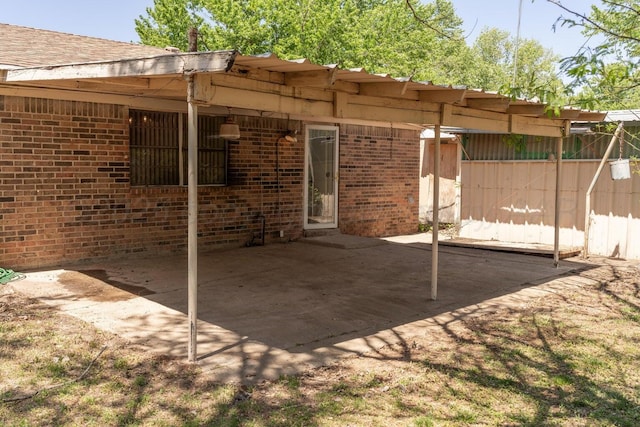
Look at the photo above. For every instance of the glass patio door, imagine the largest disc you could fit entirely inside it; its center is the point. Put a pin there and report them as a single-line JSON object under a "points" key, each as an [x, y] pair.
{"points": [[321, 173]]}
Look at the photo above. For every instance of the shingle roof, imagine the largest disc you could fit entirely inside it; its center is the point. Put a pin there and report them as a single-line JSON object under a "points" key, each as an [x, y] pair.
{"points": [[31, 47]]}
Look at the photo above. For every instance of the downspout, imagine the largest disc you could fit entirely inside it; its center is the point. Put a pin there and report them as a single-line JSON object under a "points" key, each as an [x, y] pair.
{"points": [[587, 202]]}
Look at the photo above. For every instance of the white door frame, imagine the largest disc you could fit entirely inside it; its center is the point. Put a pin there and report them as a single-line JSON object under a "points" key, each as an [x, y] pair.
{"points": [[307, 154]]}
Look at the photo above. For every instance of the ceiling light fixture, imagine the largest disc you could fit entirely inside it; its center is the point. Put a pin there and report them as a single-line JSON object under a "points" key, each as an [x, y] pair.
{"points": [[229, 129]]}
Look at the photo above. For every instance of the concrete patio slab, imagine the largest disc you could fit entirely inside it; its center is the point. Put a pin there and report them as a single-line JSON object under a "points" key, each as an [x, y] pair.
{"points": [[279, 309]]}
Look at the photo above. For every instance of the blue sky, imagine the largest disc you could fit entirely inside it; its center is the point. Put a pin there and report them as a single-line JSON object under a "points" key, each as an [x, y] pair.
{"points": [[538, 18], [110, 19], [114, 19]]}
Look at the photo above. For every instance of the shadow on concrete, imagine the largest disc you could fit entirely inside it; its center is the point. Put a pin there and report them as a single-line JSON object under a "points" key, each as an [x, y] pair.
{"points": [[276, 310]]}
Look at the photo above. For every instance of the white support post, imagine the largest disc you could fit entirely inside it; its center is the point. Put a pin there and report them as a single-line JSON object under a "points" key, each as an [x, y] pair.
{"points": [[587, 202], [192, 244], [180, 148], [436, 213], [556, 237]]}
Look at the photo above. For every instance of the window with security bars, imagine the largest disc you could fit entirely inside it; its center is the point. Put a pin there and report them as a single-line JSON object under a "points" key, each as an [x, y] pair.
{"points": [[158, 149]]}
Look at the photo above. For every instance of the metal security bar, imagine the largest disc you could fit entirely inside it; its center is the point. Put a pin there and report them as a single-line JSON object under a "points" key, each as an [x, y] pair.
{"points": [[155, 149]]}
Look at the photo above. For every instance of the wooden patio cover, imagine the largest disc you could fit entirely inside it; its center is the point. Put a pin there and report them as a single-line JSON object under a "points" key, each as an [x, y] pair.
{"points": [[225, 82]]}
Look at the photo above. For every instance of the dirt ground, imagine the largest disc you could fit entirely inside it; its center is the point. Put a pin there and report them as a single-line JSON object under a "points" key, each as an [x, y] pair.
{"points": [[567, 358]]}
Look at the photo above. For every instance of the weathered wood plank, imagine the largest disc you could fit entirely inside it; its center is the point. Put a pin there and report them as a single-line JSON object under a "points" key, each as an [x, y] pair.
{"points": [[174, 64], [535, 126], [442, 95], [389, 89]]}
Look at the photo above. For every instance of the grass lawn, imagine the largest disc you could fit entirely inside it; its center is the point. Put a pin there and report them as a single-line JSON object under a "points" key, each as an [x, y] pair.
{"points": [[571, 358]]}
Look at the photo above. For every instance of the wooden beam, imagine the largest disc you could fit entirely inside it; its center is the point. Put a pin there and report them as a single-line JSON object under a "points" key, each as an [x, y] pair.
{"points": [[256, 74], [405, 86], [489, 121], [243, 98], [527, 109], [537, 126], [318, 78], [469, 118], [171, 89], [340, 104], [219, 89], [224, 79], [446, 113], [389, 89], [352, 121], [181, 106], [135, 82], [389, 114], [408, 104], [569, 114], [492, 104], [591, 116], [566, 127], [235, 82], [385, 110], [442, 95], [174, 64], [143, 103], [253, 76]]}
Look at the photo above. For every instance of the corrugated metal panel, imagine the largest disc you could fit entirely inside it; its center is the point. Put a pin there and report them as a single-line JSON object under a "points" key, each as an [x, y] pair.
{"points": [[515, 201], [480, 146], [623, 116]]}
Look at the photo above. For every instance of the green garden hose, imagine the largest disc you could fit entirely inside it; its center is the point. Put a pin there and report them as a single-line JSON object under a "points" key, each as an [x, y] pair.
{"points": [[7, 276]]}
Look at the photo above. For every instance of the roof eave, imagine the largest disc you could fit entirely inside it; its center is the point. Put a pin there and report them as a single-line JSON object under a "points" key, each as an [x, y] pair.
{"points": [[162, 65]]}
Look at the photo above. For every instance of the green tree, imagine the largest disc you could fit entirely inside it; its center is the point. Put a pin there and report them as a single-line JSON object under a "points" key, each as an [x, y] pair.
{"points": [[167, 23], [401, 37], [609, 73], [493, 53], [537, 74], [610, 90]]}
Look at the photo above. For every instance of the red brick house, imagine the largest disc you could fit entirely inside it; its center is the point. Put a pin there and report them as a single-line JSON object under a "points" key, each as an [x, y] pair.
{"points": [[94, 146]]}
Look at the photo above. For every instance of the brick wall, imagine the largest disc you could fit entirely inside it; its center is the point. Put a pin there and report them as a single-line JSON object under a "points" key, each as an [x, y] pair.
{"points": [[379, 186], [65, 193], [63, 179]]}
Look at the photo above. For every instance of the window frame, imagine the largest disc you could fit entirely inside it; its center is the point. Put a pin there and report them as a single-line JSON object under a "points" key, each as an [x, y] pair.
{"points": [[149, 167]]}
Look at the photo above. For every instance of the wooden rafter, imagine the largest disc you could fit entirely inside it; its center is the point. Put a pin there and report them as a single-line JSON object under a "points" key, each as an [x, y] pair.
{"points": [[526, 109], [447, 96], [325, 78], [499, 104], [292, 88], [389, 89]]}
